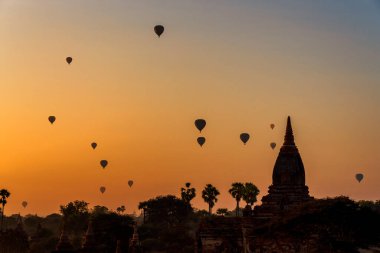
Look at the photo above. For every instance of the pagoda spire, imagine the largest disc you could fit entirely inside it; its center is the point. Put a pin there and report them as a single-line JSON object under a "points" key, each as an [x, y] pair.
{"points": [[64, 242], [134, 243], [289, 137], [89, 238], [20, 225]]}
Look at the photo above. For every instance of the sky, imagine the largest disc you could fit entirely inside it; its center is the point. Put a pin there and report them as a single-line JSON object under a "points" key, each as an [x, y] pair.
{"points": [[241, 65]]}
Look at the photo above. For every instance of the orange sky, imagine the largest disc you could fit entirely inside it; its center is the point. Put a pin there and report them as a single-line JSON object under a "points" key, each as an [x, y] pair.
{"points": [[241, 66]]}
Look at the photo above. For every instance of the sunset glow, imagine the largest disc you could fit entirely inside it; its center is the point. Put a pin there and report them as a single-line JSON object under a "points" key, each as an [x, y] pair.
{"points": [[241, 65]]}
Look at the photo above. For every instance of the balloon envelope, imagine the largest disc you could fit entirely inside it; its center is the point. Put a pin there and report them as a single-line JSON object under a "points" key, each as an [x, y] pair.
{"points": [[94, 145], [159, 30], [69, 60], [102, 189], [272, 126], [201, 141], [24, 204], [51, 119], [104, 163], [130, 183], [273, 145], [200, 124], [244, 137], [359, 177]]}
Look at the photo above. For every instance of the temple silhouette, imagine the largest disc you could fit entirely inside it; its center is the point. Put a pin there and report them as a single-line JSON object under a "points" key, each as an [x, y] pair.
{"points": [[90, 245], [242, 234], [288, 187]]}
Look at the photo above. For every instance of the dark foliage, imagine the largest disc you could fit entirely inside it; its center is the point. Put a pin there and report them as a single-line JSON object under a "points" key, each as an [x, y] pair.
{"points": [[14, 241], [167, 210], [169, 226], [338, 224], [110, 227]]}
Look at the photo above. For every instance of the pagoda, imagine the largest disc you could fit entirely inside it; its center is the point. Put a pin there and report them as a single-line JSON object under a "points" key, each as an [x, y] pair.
{"points": [[64, 245], [89, 242], [134, 242], [288, 187]]}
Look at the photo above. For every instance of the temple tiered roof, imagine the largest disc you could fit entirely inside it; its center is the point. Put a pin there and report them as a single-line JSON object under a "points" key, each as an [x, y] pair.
{"points": [[288, 179]]}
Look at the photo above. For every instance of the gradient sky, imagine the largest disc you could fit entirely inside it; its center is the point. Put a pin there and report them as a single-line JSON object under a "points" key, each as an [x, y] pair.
{"points": [[239, 64]]}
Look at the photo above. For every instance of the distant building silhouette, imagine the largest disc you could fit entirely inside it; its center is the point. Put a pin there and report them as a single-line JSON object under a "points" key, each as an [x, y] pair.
{"points": [[36, 237], [64, 245], [14, 241], [89, 242], [134, 243], [91, 245]]}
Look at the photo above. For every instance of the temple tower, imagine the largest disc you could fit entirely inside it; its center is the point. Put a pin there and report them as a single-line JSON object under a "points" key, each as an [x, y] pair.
{"points": [[288, 187], [64, 245], [89, 243], [134, 242]]}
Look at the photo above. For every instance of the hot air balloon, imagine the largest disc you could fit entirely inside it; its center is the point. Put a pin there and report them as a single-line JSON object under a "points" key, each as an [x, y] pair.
{"points": [[359, 177], [51, 119], [272, 126], [130, 183], [102, 189], [200, 124], [104, 163], [273, 145], [201, 141], [94, 145], [24, 204], [244, 137], [69, 60], [159, 30]]}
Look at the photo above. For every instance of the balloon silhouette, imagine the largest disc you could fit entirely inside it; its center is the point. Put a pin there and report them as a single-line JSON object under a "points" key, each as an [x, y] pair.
{"points": [[51, 119], [102, 189], [273, 145], [359, 177], [201, 141], [24, 204], [244, 137], [130, 183], [200, 124], [272, 126], [159, 30], [94, 145], [104, 163], [69, 60]]}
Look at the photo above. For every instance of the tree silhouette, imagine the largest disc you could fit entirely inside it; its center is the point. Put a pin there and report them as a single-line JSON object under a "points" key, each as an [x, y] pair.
{"points": [[209, 195], [4, 194], [250, 193], [120, 209], [187, 194], [75, 217], [237, 191], [222, 211], [165, 209]]}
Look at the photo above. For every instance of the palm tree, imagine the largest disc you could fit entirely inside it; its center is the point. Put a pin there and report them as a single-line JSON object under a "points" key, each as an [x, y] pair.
{"points": [[237, 191], [209, 195], [250, 193], [4, 194], [187, 194]]}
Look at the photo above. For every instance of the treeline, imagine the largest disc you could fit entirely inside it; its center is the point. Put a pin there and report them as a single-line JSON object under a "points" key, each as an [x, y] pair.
{"points": [[42, 233], [169, 223], [336, 224]]}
